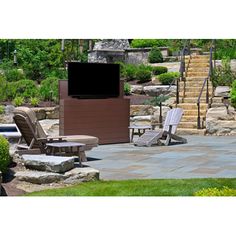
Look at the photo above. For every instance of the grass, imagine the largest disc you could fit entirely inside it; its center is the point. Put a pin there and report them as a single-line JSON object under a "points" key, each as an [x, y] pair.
{"points": [[149, 187]]}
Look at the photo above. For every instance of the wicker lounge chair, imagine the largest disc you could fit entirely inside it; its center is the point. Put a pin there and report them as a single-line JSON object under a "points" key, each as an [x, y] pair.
{"points": [[172, 120], [36, 138]]}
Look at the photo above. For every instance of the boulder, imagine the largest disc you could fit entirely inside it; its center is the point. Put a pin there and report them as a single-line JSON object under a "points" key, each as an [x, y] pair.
{"points": [[39, 177], [51, 127], [46, 112], [222, 91], [81, 175], [156, 90], [221, 121], [137, 89], [40, 113], [141, 110], [141, 120], [156, 116], [57, 164]]}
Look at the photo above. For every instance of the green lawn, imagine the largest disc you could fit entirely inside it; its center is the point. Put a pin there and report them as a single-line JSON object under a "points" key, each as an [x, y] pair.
{"points": [[149, 187]]}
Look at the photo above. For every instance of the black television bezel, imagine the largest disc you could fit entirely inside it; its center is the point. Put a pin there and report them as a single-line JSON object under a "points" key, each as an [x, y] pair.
{"points": [[93, 96]]}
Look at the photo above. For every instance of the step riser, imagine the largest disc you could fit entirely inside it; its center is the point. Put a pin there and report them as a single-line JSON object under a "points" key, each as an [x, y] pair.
{"points": [[194, 100], [189, 119], [193, 65], [204, 74], [193, 94], [198, 69], [194, 113], [182, 131], [190, 106], [187, 125], [194, 89]]}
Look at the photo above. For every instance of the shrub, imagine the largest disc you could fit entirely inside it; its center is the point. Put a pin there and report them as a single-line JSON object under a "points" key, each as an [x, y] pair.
{"points": [[34, 101], [2, 109], [59, 73], [22, 88], [4, 154], [130, 72], [18, 101], [157, 100], [143, 74], [49, 89], [155, 55], [122, 69], [168, 77], [127, 89], [233, 94], [3, 86], [157, 70], [143, 43], [14, 75], [222, 75], [226, 191]]}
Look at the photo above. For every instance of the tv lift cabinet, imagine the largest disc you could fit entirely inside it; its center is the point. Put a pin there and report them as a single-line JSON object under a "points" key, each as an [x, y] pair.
{"points": [[107, 119]]}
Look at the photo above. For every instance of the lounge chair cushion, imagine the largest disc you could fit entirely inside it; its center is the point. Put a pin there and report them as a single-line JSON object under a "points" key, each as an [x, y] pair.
{"points": [[86, 139]]}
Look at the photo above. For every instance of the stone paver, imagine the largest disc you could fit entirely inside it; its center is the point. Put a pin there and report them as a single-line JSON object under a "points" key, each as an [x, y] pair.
{"points": [[201, 157]]}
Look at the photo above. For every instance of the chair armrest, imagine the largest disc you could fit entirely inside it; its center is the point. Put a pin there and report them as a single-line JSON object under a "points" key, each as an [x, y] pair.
{"points": [[56, 137]]}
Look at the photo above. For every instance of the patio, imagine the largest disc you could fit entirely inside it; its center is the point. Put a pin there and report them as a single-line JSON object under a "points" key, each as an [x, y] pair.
{"points": [[201, 157]]}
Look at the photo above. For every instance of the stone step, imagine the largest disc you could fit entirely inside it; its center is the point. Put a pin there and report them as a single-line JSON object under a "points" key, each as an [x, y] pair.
{"points": [[188, 125], [192, 94], [192, 74], [76, 175], [200, 56], [57, 164], [217, 100], [192, 106], [198, 69], [194, 89], [194, 112], [206, 64], [182, 131], [217, 105], [190, 118], [194, 100]]}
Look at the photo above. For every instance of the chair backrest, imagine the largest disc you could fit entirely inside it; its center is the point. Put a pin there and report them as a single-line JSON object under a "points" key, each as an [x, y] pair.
{"points": [[173, 118], [26, 120]]}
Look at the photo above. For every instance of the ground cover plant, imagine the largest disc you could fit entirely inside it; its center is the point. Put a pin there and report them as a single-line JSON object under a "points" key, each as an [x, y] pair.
{"points": [[144, 187]]}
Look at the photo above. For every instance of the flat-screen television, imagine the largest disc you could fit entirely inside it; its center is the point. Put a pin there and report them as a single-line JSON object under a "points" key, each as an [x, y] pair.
{"points": [[93, 80]]}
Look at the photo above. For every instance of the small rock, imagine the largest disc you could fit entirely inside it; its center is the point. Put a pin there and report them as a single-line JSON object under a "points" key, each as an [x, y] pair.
{"points": [[137, 89], [141, 110]]}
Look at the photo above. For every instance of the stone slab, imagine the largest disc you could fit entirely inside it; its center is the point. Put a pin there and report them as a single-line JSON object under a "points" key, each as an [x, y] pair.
{"points": [[73, 176], [39, 177], [56, 164]]}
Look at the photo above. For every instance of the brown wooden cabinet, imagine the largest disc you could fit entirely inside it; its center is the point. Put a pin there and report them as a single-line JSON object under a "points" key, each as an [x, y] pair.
{"points": [[107, 119]]}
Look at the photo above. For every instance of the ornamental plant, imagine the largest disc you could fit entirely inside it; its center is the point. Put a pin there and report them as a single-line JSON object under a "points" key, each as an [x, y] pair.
{"points": [[4, 154], [168, 77], [157, 70], [155, 55]]}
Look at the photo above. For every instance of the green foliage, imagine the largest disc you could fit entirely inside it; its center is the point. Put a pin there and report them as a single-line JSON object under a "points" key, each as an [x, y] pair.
{"points": [[157, 70], [4, 154], [211, 192], [122, 69], [13, 75], [157, 100], [34, 101], [143, 43], [58, 73], [3, 86], [18, 101], [222, 75], [127, 89], [233, 94], [143, 74], [49, 89], [155, 55], [2, 109], [22, 88], [168, 77], [225, 48], [130, 72]]}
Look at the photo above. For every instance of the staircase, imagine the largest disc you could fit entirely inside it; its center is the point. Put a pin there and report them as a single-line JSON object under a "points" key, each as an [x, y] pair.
{"points": [[197, 69]]}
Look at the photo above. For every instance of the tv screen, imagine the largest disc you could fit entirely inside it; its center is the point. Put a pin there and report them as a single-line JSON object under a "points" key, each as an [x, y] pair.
{"points": [[93, 80]]}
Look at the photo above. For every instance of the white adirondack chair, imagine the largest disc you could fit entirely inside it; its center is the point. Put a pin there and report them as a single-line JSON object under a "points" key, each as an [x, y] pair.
{"points": [[172, 120]]}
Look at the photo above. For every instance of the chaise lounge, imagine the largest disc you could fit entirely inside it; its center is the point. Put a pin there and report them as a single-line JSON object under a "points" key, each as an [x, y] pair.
{"points": [[36, 138]]}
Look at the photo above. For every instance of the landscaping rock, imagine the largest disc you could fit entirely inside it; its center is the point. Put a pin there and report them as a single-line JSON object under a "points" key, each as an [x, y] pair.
{"points": [[141, 120], [46, 112], [78, 174], [156, 115], [141, 110], [137, 89], [73, 176], [157, 90], [39, 177], [57, 164], [51, 127], [222, 91], [221, 121]]}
